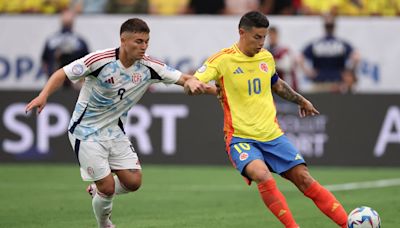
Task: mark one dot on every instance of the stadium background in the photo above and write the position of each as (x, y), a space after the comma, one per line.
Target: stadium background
(353, 133)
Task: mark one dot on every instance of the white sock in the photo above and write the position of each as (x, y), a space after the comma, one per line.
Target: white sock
(119, 187)
(102, 207)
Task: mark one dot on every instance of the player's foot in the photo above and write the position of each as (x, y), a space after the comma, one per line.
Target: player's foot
(91, 189)
(108, 224)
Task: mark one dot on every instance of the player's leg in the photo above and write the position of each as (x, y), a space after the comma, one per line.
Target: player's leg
(124, 162)
(102, 201)
(322, 197)
(128, 180)
(249, 161)
(92, 158)
(269, 192)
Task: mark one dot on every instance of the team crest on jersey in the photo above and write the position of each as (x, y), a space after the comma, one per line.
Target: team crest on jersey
(202, 69)
(136, 78)
(77, 69)
(264, 66)
(243, 156)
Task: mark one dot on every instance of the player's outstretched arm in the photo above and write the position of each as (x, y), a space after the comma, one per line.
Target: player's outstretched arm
(55, 81)
(306, 108)
(193, 86)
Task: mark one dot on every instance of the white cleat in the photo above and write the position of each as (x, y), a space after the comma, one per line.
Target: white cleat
(110, 225)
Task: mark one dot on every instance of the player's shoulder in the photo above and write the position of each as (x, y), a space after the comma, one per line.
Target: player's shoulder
(222, 55)
(151, 61)
(265, 53)
(101, 57)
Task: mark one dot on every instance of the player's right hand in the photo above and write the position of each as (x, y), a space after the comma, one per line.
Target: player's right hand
(195, 87)
(39, 102)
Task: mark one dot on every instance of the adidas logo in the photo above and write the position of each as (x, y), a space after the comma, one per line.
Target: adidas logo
(238, 71)
(334, 206)
(110, 80)
(298, 157)
(281, 212)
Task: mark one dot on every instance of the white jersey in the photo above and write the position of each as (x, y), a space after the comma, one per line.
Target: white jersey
(110, 90)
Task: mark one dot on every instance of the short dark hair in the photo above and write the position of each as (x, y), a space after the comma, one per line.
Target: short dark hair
(253, 19)
(134, 25)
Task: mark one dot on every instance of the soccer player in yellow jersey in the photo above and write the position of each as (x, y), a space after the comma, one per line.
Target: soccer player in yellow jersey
(255, 143)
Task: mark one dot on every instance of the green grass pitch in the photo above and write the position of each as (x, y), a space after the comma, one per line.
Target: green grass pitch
(180, 197)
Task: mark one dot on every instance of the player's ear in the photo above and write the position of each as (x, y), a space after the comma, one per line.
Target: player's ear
(241, 31)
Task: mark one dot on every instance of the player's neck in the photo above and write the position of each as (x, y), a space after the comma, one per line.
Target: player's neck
(125, 61)
(243, 49)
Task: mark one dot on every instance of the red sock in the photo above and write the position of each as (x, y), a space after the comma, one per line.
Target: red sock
(276, 202)
(327, 203)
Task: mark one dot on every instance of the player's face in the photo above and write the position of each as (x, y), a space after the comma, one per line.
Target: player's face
(253, 40)
(135, 45)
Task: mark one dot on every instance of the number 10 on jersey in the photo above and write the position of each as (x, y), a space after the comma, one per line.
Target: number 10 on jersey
(254, 86)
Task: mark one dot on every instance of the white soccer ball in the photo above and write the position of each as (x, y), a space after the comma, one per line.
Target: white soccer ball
(364, 217)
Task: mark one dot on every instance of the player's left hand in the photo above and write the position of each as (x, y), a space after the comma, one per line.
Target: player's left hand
(306, 108)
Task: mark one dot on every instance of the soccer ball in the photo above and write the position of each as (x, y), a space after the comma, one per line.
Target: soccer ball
(363, 217)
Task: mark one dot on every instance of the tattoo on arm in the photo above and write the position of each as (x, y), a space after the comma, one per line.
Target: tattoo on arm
(286, 92)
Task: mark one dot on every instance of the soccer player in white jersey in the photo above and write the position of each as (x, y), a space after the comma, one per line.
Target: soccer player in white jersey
(114, 80)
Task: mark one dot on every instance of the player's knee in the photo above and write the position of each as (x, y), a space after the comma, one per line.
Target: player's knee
(134, 185)
(107, 190)
(304, 180)
(261, 175)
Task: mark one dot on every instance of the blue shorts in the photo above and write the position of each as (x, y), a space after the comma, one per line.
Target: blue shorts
(279, 154)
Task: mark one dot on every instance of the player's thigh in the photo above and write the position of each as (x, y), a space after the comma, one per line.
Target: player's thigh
(92, 158)
(300, 176)
(258, 171)
(248, 160)
(123, 155)
(281, 155)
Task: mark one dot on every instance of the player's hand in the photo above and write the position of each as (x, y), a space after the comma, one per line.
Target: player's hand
(306, 108)
(195, 87)
(39, 102)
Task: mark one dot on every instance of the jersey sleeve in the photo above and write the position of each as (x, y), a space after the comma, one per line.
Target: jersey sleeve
(208, 72)
(84, 66)
(161, 71)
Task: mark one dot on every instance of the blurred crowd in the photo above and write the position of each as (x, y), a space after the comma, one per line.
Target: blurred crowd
(229, 7)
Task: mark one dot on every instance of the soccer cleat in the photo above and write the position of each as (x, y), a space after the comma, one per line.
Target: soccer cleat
(91, 189)
(109, 224)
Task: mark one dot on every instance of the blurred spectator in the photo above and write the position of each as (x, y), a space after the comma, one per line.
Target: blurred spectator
(206, 7)
(33, 6)
(241, 6)
(382, 7)
(127, 6)
(284, 60)
(331, 59)
(320, 7)
(63, 47)
(170, 7)
(352, 8)
(279, 7)
(89, 6)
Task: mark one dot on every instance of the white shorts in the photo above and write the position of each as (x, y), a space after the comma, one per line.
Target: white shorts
(97, 158)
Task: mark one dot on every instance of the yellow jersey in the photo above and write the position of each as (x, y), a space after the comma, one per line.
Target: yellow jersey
(246, 96)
